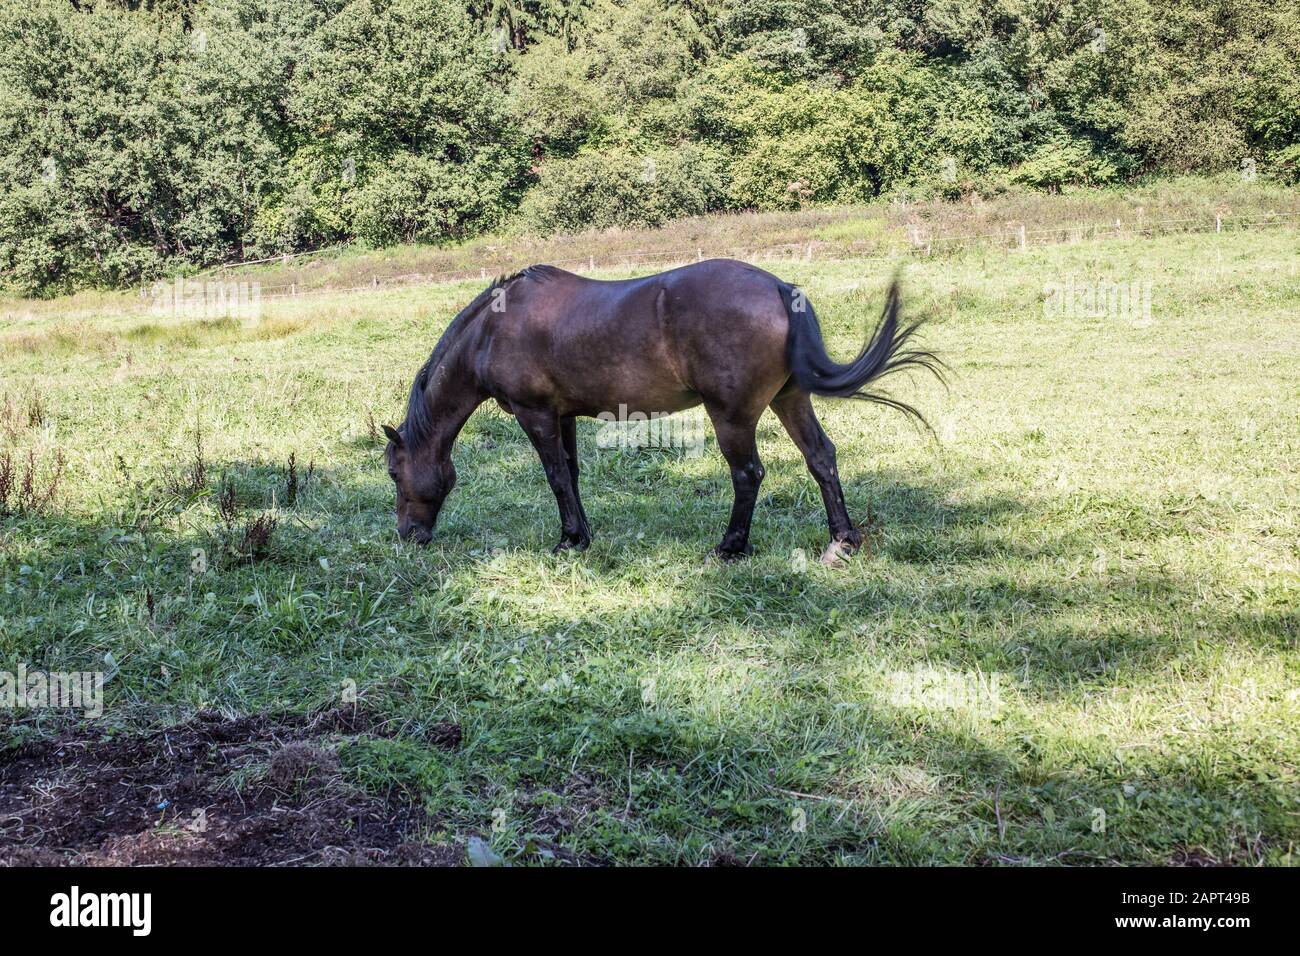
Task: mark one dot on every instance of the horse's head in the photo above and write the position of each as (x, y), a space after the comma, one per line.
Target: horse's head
(422, 486)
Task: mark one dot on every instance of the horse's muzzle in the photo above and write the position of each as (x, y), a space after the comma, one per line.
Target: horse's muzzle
(416, 534)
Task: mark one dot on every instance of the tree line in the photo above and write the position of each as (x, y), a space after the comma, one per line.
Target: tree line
(145, 136)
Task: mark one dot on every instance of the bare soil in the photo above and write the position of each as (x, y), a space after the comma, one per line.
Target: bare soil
(252, 791)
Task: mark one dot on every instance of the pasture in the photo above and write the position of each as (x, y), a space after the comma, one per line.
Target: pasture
(1072, 640)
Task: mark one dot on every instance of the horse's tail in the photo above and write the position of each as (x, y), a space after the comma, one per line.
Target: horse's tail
(816, 372)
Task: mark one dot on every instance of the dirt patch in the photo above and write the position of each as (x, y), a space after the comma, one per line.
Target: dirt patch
(252, 791)
(1194, 857)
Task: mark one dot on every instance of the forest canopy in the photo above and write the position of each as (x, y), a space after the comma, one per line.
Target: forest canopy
(145, 136)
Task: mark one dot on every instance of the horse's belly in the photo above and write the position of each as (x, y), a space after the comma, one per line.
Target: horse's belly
(639, 375)
(639, 391)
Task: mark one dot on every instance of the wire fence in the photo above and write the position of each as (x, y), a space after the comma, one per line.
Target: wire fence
(919, 241)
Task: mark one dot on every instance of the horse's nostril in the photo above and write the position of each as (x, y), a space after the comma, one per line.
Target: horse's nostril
(413, 532)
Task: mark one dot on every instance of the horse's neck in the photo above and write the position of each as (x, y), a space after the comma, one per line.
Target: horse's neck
(452, 395)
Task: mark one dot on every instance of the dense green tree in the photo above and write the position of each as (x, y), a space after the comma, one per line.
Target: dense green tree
(142, 140)
(144, 136)
(617, 187)
(1220, 87)
(804, 39)
(130, 143)
(399, 98)
(521, 23)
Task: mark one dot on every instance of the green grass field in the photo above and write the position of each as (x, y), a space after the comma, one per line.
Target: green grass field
(1074, 640)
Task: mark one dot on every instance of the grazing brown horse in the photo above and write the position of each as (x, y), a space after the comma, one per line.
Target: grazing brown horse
(549, 345)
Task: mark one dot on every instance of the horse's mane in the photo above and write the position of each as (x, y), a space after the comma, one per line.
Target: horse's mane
(419, 419)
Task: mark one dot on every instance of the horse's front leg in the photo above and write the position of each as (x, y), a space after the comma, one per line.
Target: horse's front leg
(569, 435)
(544, 429)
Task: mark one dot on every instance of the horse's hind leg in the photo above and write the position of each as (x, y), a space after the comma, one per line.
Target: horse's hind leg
(735, 431)
(795, 410)
(545, 430)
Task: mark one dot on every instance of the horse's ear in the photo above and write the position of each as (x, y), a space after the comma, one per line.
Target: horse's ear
(394, 436)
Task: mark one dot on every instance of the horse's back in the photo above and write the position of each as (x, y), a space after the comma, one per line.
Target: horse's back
(658, 342)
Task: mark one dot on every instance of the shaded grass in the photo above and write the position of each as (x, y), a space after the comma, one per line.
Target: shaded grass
(1107, 525)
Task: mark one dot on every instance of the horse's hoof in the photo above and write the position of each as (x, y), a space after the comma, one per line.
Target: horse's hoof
(571, 544)
(731, 557)
(841, 548)
(837, 552)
